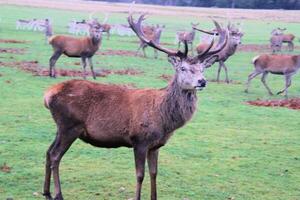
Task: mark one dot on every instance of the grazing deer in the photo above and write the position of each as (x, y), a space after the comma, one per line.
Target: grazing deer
(235, 35)
(152, 33)
(286, 65)
(84, 48)
(112, 116)
(189, 37)
(278, 36)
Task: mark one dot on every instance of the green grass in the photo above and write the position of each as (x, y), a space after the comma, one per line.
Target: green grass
(228, 150)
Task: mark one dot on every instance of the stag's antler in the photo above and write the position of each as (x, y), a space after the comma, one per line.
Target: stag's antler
(137, 28)
(205, 31)
(224, 34)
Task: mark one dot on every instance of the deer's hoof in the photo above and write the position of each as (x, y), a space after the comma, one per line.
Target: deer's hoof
(59, 197)
(48, 196)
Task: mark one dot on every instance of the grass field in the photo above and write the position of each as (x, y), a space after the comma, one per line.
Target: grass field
(230, 150)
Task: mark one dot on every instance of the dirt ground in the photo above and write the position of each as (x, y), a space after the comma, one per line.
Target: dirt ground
(261, 48)
(12, 41)
(111, 52)
(288, 103)
(221, 13)
(13, 50)
(34, 68)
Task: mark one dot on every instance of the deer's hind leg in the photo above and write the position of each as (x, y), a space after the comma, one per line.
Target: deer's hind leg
(52, 62)
(288, 82)
(47, 182)
(65, 138)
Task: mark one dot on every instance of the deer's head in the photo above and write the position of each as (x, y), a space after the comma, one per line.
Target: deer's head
(235, 35)
(188, 70)
(95, 31)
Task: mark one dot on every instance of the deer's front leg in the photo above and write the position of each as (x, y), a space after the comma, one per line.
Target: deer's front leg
(152, 158)
(140, 153)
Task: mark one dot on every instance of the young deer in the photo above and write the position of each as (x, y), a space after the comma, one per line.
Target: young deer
(84, 48)
(286, 65)
(182, 36)
(235, 36)
(152, 33)
(112, 116)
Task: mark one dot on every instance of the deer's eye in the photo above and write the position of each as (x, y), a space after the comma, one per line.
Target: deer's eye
(182, 69)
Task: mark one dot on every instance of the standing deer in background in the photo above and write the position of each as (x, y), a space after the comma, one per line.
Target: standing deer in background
(189, 37)
(84, 48)
(286, 65)
(235, 35)
(112, 116)
(152, 33)
(48, 30)
(278, 37)
(106, 29)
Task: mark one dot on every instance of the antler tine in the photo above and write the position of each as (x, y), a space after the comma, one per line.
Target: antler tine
(204, 31)
(136, 27)
(222, 42)
(186, 49)
(207, 49)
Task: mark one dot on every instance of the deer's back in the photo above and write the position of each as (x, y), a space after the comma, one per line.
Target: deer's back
(287, 37)
(111, 115)
(72, 46)
(277, 64)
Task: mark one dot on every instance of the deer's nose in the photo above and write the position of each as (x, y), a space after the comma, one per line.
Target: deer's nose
(202, 82)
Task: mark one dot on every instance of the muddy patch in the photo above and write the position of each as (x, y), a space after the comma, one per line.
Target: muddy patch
(224, 82)
(261, 48)
(128, 71)
(137, 42)
(111, 52)
(13, 41)
(13, 50)
(293, 103)
(34, 68)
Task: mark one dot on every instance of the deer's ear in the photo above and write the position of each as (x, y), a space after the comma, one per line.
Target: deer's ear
(174, 60)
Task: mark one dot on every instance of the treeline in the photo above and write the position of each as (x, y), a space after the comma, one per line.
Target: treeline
(253, 4)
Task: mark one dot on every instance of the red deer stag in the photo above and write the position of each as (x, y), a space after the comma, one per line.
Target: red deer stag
(189, 37)
(152, 33)
(235, 36)
(112, 116)
(278, 37)
(286, 65)
(84, 48)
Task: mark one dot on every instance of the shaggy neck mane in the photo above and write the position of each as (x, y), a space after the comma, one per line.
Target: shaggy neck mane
(95, 41)
(177, 106)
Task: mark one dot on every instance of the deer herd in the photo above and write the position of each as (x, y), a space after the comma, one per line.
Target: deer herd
(112, 116)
